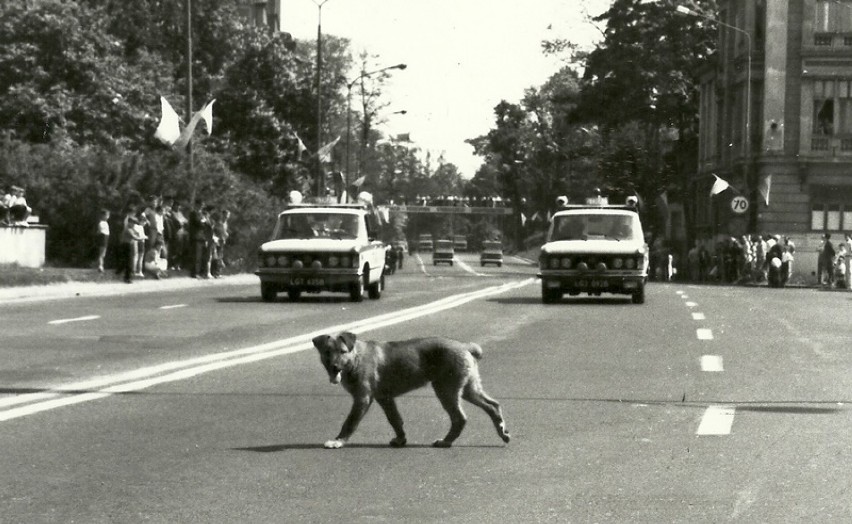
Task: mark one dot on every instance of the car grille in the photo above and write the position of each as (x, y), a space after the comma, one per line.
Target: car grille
(307, 260)
(573, 262)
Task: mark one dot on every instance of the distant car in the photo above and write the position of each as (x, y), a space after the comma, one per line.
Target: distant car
(424, 243)
(460, 242)
(594, 249)
(323, 248)
(492, 253)
(443, 253)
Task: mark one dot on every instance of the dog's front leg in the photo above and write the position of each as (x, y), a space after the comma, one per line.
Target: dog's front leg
(360, 405)
(390, 409)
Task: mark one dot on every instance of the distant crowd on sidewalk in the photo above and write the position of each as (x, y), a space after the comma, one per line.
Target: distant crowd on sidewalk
(748, 260)
(160, 235)
(14, 210)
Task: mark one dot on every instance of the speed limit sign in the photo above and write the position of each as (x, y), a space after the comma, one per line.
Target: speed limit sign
(739, 204)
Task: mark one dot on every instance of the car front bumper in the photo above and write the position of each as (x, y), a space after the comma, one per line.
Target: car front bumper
(623, 282)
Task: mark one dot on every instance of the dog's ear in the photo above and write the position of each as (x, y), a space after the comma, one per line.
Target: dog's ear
(348, 339)
(321, 341)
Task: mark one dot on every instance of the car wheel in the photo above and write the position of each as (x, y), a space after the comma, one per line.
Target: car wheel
(294, 294)
(550, 296)
(356, 290)
(268, 292)
(638, 296)
(375, 290)
(499, 264)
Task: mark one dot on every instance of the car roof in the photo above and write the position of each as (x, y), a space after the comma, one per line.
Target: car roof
(323, 210)
(595, 211)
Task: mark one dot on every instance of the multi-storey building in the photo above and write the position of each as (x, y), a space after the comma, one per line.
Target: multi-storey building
(263, 13)
(776, 124)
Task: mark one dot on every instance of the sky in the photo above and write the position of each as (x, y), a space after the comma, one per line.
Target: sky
(463, 58)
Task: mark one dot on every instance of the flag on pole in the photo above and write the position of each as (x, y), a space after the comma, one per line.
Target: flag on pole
(301, 145)
(188, 131)
(718, 186)
(325, 151)
(763, 187)
(169, 129)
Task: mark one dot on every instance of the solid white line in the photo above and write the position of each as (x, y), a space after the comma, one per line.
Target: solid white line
(173, 306)
(180, 370)
(711, 363)
(78, 319)
(691, 304)
(698, 316)
(717, 420)
(704, 334)
(468, 268)
(679, 292)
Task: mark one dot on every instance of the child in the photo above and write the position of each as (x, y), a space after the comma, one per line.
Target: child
(102, 238)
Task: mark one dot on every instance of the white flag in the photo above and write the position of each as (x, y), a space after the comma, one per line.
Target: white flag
(169, 129)
(325, 151)
(301, 145)
(188, 131)
(718, 186)
(764, 186)
(207, 115)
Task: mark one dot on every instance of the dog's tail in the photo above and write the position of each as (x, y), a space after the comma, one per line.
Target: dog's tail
(475, 350)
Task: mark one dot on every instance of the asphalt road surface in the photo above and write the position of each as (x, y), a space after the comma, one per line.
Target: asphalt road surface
(205, 404)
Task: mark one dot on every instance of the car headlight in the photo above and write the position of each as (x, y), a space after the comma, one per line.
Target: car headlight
(283, 261)
(333, 261)
(344, 261)
(601, 266)
(630, 263)
(298, 264)
(582, 266)
(270, 261)
(617, 263)
(316, 264)
(554, 263)
(566, 263)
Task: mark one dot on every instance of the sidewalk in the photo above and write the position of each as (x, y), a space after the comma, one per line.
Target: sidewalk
(20, 294)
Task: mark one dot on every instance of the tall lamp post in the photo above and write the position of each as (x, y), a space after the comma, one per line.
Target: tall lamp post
(320, 174)
(747, 142)
(349, 85)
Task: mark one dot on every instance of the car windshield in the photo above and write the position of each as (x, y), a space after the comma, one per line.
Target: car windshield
(316, 225)
(596, 226)
(445, 244)
(492, 245)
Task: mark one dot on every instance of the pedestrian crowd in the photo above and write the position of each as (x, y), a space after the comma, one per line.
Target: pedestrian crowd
(161, 236)
(14, 210)
(751, 259)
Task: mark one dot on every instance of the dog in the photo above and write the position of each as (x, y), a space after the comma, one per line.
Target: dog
(371, 370)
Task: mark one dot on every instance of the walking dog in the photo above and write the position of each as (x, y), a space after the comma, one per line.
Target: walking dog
(381, 371)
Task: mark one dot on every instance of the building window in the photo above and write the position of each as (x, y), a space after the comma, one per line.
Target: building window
(832, 113)
(822, 40)
(832, 16)
(847, 41)
(831, 217)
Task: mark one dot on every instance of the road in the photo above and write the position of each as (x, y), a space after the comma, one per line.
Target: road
(205, 404)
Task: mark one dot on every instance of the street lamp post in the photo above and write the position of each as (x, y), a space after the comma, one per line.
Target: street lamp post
(747, 141)
(320, 174)
(349, 85)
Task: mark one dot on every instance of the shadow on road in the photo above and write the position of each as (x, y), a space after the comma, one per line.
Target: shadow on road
(288, 447)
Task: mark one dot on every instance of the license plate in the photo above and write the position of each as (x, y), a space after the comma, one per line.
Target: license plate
(592, 284)
(300, 281)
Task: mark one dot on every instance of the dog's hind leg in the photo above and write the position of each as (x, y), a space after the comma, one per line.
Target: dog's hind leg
(474, 394)
(390, 409)
(448, 395)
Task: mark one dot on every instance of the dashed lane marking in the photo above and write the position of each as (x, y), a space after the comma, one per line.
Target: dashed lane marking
(698, 316)
(173, 306)
(717, 420)
(691, 304)
(704, 334)
(712, 363)
(78, 319)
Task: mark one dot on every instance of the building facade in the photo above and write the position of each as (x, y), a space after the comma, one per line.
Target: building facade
(263, 13)
(776, 125)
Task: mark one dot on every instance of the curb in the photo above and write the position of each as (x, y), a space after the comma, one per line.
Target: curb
(16, 295)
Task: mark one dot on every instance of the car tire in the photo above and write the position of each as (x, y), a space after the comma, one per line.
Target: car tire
(268, 292)
(550, 296)
(294, 294)
(638, 296)
(375, 290)
(499, 264)
(356, 290)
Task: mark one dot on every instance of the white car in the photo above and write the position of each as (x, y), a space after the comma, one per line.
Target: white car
(594, 249)
(323, 248)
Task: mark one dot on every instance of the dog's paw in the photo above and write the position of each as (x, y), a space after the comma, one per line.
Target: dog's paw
(398, 442)
(440, 443)
(333, 444)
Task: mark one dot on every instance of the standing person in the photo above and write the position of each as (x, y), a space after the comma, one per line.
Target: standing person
(848, 260)
(828, 255)
(178, 236)
(141, 226)
(692, 262)
(759, 258)
(787, 263)
(102, 238)
(195, 237)
(130, 238)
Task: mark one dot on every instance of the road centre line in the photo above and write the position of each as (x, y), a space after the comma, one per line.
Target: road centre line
(174, 306)
(698, 316)
(704, 334)
(717, 420)
(78, 319)
(181, 370)
(712, 363)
